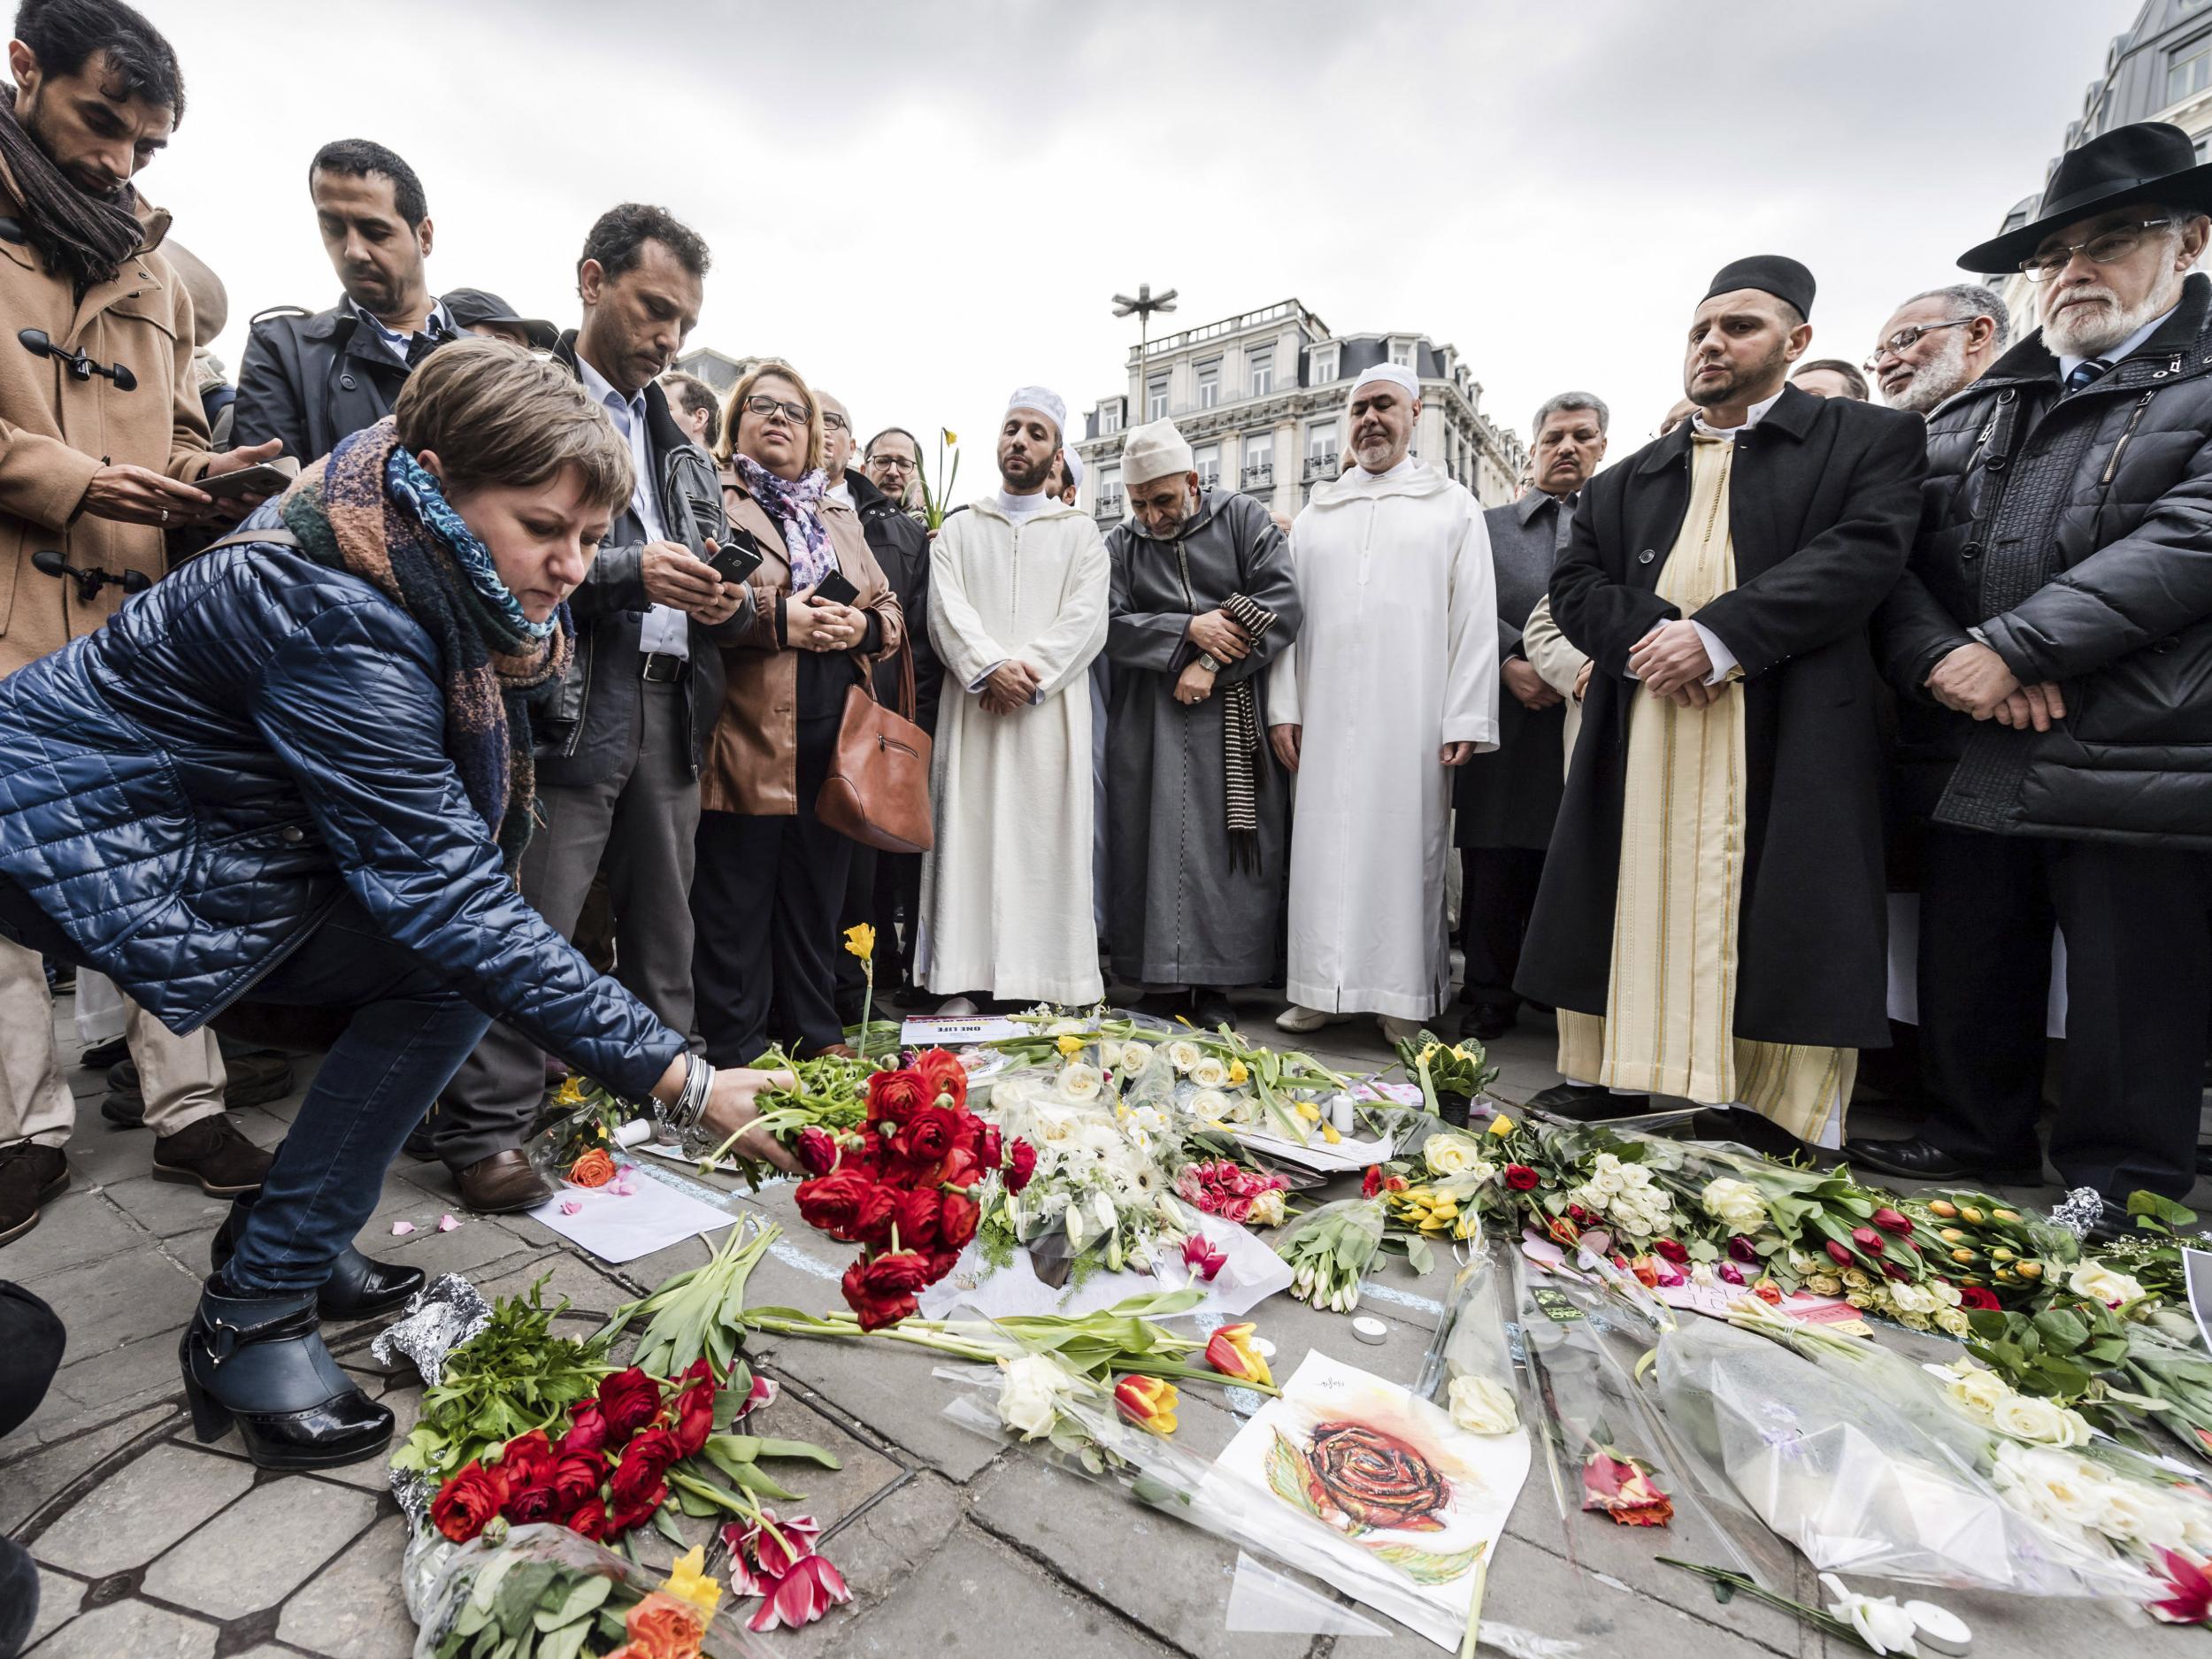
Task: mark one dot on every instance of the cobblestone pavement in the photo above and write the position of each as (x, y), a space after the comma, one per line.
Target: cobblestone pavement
(151, 1546)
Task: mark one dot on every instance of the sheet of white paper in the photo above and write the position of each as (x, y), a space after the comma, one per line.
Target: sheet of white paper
(1252, 1273)
(1319, 1156)
(929, 1031)
(622, 1226)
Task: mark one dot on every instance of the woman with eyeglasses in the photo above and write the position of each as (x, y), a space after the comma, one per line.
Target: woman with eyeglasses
(771, 876)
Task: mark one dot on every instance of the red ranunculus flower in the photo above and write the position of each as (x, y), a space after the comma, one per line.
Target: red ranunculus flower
(645, 1461)
(895, 1272)
(928, 1136)
(1021, 1164)
(587, 1431)
(817, 1150)
(875, 1311)
(1520, 1177)
(1370, 1183)
(525, 1504)
(956, 1221)
(988, 1148)
(589, 1520)
(630, 1400)
(576, 1481)
(1978, 1296)
(878, 1208)
(695, 1408)
(916, 1213)
(1841, 1254)
(1672, 1250)
(527, 1460)
(467, 1502)
(941, 1262)
(1891, 1221)
(622, 1517)
(830, 1203)
(896, 1095)
(942, 1074)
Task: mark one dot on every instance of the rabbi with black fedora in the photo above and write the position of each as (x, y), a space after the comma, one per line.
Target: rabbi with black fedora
(1711, 921)
(2051, 645)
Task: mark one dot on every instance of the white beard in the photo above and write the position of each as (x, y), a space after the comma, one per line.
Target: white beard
(1937, 379)
(2091, 331)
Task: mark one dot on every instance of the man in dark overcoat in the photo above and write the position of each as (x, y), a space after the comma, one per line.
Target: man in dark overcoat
(2050, 647)
(1729, 948)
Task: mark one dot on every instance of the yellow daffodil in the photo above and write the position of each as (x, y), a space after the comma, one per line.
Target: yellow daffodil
(1329, 1134)
(1308, 1110)
(570, 1092)
(689, 1581)
(1239, 1072)
(861, 941)
(1071, 1045)
(950, 436)
(1502, 1124)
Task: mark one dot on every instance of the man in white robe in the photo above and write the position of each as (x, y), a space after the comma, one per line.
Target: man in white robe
(1392, 681)
(1018, 607)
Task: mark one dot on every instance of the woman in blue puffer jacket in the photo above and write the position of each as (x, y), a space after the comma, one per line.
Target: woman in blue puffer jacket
(298, 771)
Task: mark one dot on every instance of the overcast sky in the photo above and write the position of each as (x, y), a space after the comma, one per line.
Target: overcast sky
(924, 204)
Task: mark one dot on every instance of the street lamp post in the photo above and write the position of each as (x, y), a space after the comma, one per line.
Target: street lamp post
(1141, 308)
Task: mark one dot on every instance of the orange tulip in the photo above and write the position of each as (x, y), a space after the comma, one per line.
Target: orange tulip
(1229, 1350)
(1147, 1401)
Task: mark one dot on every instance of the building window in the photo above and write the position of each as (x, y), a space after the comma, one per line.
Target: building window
(1209, 383)
(1261, 364)
(1110, 418)
(1156, 398)
(1321, 450)
(2188, 69)
(1259, 460)
(1207, 462)
(1323, 364)
(1110, 492)
(1401, 353)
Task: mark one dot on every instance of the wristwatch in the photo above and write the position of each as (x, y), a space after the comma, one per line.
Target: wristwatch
(1208, 662)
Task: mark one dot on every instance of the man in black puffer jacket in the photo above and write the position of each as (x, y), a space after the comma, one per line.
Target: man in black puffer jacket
(2051, 645)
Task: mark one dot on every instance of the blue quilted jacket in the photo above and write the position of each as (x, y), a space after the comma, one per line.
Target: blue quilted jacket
(188, 791)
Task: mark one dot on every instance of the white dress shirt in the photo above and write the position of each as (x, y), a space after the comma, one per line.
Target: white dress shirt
(440, 320)
(664, 630)
(1721, 658)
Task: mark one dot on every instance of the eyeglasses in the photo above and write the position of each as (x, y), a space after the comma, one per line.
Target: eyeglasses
(2103, 249)
(1905, 339)
(832, 420)
(898, 461)
(767, 408)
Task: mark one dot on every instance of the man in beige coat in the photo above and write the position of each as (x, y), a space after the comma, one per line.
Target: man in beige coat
(101, 440)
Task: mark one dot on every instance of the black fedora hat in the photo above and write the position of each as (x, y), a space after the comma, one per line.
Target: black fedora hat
(481, 305)
(2145, 161)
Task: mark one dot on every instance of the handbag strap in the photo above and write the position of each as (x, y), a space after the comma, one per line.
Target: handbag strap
(907, 696)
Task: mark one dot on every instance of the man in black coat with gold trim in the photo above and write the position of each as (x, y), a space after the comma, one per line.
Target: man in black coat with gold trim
(1710, 923)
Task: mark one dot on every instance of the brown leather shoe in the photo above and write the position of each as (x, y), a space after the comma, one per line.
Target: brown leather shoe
(30, 1175)
(213, 1154)
(501, 1182)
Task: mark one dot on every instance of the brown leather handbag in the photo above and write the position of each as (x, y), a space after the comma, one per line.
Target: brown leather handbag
(877, 788)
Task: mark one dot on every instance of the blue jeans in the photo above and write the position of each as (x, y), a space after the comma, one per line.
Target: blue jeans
(409, 1033)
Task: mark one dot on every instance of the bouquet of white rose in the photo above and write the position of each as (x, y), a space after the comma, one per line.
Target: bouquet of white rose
(1101, 1195)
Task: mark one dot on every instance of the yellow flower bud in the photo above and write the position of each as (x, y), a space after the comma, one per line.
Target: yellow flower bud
(1501, 1125)
(2030, 1270)
(2006, 1214)
(1970, 1214)
(2000, 1255)
(1962, 1256)
(1943, 1207)
(1329, 1134)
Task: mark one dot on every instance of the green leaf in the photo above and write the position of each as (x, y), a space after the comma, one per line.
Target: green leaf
(1428, 1566)
(566, 1641)
(664, 1524)
(2062, 1330)
(1287, 1474)
(521, 1594)
(584, 1596)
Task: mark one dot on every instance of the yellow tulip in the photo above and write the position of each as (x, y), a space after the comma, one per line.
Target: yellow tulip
(861, 941)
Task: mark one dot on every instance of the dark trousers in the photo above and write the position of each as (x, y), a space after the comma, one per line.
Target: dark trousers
(2137, 922)
(1497, 895)
(764, 904)
(880, 888)
(639, 824)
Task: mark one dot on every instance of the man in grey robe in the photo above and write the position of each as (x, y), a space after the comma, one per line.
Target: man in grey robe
(1505, 801)
(1203, 599)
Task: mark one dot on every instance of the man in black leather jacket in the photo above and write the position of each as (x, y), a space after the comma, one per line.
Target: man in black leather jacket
(312, 379)
(2049, 645)
(621, 735)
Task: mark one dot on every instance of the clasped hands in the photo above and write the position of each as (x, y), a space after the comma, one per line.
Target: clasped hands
(1672, 663)
(1974, 680)
(1010, 687)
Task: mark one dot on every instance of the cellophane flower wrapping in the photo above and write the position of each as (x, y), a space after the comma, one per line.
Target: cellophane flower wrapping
(457, 1571)
(1859, 1462)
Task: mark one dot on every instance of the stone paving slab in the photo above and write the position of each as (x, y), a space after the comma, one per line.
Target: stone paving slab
(354, 1608)
(129, 1520)
(261, 1549)
(137, 1630)
(32, 1476)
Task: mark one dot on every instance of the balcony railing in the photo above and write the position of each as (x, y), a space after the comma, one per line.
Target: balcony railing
(1108, 504)
(1321, 464)
(1263, 473)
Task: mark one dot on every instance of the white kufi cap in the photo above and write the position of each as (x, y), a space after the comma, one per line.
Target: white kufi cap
(1045, 401)
(1074, 464)
(1155, 450)
(1404, 379)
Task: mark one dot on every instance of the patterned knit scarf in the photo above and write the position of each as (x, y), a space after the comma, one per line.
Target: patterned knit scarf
(83, 237)
(369, 509)
(795, 504)
(1241, 741)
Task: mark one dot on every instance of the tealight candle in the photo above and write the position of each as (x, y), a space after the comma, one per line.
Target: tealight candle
(1939, 1628)
(1369, 1330)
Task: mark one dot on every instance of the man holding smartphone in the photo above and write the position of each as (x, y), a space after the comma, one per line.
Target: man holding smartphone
(622, 734)
(103, 449)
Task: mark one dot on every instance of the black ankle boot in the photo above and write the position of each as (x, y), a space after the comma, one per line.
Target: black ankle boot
(357, 1287)
(258, 1362)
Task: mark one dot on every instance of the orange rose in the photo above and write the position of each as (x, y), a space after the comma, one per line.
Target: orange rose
(594, 1169)
(662, 1627)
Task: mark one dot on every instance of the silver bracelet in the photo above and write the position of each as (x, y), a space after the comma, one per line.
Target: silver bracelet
(683, 1116)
